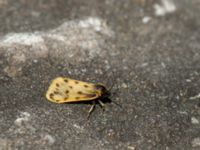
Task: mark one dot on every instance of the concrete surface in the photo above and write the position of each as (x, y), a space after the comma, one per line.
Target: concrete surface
(149, 51)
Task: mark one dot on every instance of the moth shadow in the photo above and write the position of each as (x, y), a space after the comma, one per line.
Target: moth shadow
(105, 100)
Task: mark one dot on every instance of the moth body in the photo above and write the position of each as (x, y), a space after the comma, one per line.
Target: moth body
(64, 90)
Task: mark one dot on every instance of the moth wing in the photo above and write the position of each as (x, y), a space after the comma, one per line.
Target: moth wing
(64, 90)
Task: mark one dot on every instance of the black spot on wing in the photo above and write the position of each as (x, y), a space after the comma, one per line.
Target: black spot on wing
(56, 92)
(66, 91)
(65, 80)
(79, 92)
(85, 85)
(51, 95)
(77, 98)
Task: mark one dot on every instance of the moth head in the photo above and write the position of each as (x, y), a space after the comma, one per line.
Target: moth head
(103, 91)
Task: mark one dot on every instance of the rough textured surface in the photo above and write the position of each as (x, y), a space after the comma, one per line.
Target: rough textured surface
(149, 50)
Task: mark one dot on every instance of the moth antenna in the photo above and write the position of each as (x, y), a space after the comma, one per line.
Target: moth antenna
(111, 87)
(113, 83)
(114, 93)
(117, 104)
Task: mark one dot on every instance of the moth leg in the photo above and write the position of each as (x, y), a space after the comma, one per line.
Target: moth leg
(91, 109)
(102, 104)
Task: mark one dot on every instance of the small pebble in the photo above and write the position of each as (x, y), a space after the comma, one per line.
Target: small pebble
(124, 85)
(194, 120)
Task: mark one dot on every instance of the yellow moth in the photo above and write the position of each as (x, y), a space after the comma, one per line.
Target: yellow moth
(64, 90)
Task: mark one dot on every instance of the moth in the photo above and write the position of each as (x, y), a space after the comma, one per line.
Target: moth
(66, 90)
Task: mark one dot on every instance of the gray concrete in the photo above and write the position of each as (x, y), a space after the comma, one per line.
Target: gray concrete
(149, 50)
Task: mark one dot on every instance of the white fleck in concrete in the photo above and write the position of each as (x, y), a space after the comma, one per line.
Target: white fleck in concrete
(196, 142)
(24, 117)
(166, 6)
(195, 97)
(194, 120)
(146, 19)
(22, 38)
